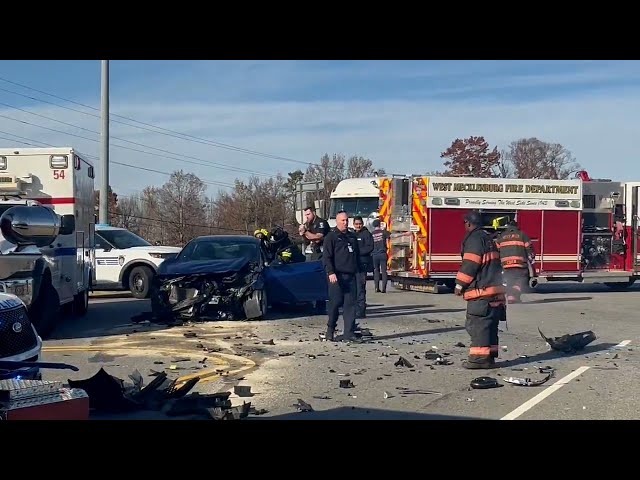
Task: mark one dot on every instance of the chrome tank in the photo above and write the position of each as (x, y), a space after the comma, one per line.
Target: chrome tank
(30, 225)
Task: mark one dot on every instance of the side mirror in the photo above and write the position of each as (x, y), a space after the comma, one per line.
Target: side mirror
(67, 224)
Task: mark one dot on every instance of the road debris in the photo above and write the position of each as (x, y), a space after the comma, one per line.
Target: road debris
(242, 390)
(322, 397)
(527, 382)
(482, 383)
(303, 406)
(403, 362)
(570, 343)
(408, 391)
(190, 334)
(347, 383)
(460, 344)
(387, 395)
(108, 393)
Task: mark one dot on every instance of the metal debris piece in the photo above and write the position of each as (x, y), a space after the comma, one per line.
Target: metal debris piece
(285, 354)
(347, 383)
(254, 411)
(433, 320)
(242, 390)
(408, 391)
(484, 383)
(322, 397)
(460, 344)
(303, 406)
(570, 343)
(312, 357)
(267, 342)
(432, 356)
(190, 334)
(387, 395)
(527, 382)
(403, 362)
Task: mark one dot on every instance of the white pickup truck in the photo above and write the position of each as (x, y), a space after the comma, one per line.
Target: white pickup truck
(124, 261)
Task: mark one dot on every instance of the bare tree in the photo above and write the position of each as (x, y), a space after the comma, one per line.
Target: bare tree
(533, 158)
(130, 213)
(183, 207)
(471, 157)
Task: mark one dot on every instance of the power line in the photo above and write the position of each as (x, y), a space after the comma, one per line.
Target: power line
(206, 164)
(160, 130)
(93, 157)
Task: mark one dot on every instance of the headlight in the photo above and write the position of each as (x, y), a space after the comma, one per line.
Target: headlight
(162, 255)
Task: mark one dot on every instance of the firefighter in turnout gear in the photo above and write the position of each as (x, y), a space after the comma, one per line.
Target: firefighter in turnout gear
(479, 281)
(283, 249)
(515, 254)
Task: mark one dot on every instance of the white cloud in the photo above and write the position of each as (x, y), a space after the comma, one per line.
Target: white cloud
(401, 136)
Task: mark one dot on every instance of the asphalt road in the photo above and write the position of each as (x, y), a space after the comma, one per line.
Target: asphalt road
(597, 383)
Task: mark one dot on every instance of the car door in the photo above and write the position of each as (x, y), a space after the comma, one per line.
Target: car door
(108, 263)
(296, 282)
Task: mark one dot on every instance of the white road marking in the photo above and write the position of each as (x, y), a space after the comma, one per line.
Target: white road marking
(623, 344)
(544, 394)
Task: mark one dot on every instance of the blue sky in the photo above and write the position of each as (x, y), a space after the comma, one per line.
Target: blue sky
(401, 114)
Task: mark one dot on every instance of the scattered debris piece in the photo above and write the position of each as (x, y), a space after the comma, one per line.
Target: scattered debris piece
(505, 348)
(254, 411)
(203, 360)
(235, 413)
(417, 357)
(403, 362)
(268, 342)
(242, 390)
(181, 359)
(351, 395)
(173, 367)
(570, 343)
(312, 357)
(199, 345)
(158, 362)
(408, 391)
(527, 382)
(443, 361)
(379, 378)
(460, 344)
(433, 320)
(347, 383)
(190, 334)
(432, 356)
(471, 400)
(481, 383)
(303, 406)
(322, 397)
(387, 395)
(285, 354)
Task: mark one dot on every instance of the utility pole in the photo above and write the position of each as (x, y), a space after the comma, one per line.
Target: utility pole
(104, 153)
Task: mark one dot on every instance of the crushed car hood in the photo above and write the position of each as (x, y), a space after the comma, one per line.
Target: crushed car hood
(197, 267)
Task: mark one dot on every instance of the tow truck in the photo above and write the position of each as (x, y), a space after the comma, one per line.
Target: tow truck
(47, 207)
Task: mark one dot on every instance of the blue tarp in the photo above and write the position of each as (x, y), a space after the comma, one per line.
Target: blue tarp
(296, 283)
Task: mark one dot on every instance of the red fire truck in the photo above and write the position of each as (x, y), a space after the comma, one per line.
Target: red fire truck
(582, 230)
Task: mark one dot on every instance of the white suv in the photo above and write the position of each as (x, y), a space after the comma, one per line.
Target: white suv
(124, 261)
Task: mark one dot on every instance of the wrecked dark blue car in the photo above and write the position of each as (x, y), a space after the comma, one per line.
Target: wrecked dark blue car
(227, 277)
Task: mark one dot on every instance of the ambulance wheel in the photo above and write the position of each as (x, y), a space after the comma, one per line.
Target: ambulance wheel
(81, 303)
(140, 281)
(45, 312)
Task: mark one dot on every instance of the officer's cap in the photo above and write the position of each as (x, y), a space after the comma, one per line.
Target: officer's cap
(473, 218)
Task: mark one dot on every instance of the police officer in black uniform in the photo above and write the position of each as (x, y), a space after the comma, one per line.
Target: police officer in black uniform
(313, 232)
(340, 259)
(365, 246)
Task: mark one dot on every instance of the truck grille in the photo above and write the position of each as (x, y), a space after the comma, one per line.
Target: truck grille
(12, 342)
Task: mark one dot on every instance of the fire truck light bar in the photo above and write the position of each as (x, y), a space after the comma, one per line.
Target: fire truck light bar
(59, 162)
(3, 163)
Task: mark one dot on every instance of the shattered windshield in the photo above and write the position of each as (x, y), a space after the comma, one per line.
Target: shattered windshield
(212, 249)
(122, 239)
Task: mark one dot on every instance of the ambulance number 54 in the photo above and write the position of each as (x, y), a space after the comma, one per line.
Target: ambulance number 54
(58, 174)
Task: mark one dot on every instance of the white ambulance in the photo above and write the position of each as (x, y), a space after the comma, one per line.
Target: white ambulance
(58, 270)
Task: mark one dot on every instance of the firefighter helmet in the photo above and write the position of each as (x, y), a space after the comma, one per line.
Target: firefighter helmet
(261, 232)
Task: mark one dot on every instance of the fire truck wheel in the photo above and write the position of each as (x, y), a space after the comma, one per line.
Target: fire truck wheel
(46, 310)
(140, 281)
(621, 285)
(81, 303)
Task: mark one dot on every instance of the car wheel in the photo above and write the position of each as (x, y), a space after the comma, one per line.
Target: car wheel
(140, 282)
(256, 305)
(81, 303)
(45, 312)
